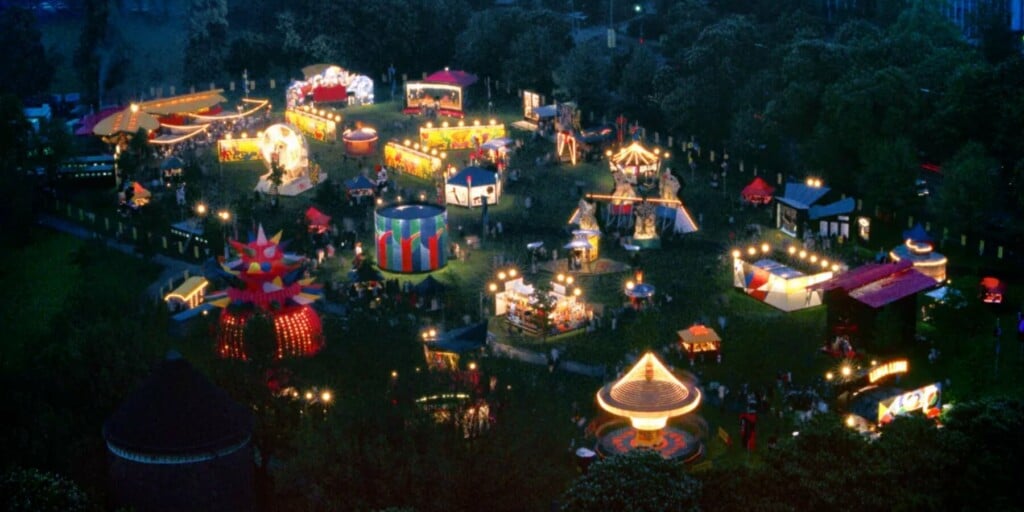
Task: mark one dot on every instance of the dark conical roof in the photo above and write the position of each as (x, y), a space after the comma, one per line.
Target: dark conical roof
(177, 410)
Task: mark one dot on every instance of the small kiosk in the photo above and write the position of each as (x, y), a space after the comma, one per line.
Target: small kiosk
(699, 339)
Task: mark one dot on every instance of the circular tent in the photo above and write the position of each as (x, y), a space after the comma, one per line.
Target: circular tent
(175, 426)
(758, 191)
(471, 185)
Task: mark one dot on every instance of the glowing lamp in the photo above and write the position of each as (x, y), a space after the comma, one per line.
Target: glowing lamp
(649, 423)
(629, 285)
(751, 251)
(493, 122)
(444, 124)
(245, 135)
(201, 209)
(134, 108)
(309, 395)
(791, 250)
(394, 374)
(850, 421)
(765, 247)
(829, 375)
(461, 123)
(502, 275)
(326, 396)
(846, 371)
(476, 122)
(433, 333)
(803, 254)
(814, 258)
(735, 253)
(493, 287)
(512, 272)
(835, 268)
(472, 366)
(824, 263)
(560, 277)
(577, 292)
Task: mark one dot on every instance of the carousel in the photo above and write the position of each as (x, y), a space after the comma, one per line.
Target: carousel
(918, 247)
(649, 395)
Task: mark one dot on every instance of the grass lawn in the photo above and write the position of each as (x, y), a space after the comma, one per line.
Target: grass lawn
(38, 278)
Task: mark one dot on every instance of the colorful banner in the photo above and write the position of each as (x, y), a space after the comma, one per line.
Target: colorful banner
(322, 127)
(238, 150)
(412, 161)
(926, 400)
(460, 136)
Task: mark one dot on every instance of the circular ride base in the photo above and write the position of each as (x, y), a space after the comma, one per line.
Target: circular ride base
(676, 444)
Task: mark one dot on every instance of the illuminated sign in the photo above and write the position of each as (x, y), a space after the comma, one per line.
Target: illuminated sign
(318, 124)
(460, 136)
(926, 400)
(413, 160)
(238, 150)
(887, 369)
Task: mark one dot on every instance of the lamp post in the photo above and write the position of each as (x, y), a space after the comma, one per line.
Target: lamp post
(225, 217)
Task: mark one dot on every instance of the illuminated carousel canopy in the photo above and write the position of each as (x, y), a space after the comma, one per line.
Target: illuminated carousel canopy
(127, 121)
(648, 395)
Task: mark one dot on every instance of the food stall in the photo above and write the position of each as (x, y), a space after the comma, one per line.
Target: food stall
(560, 312)
(699, 339)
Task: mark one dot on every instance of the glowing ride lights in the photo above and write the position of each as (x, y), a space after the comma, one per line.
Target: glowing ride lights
(264, 280)
(460, 136)
(649, 395)
(918, 247)
(320, 124)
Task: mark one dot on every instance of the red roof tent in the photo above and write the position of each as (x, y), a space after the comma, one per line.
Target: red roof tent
(878, 284)
(316, 217)
(448, 77)
(758, 191)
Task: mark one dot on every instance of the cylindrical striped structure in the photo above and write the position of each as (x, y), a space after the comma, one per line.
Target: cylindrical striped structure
(411, 237)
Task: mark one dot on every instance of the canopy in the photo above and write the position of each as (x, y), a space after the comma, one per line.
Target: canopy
(496, 144)
(429, 286)
(183, 104)
(640, 291)
(171, 163)
(477, 175)
(90, 121)
(316, 217)
(917, 234)
(758, 191)
(359, 183)
(578, 244)
(128, 120)
(449, 77)
(634, 154)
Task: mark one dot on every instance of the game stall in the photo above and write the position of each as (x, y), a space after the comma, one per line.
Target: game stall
(412, 159)
(328, 83)
(442, 93)
(460, 135)
(699, 339)
(782, 278)
(318, 123)
(472, 186)
(561, 311)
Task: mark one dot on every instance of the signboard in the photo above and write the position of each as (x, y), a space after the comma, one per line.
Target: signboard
(460, 136)
(318, 124)
(239, 150)
(926, 400)
(413, 159)
(887, 369)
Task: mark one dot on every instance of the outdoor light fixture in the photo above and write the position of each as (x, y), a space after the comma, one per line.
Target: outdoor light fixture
(765, 247)
(309, 395)
(814, 258)
(577, 292)
(502, 275)
(629, 285)
(803, 254)
(751, 251)
(325, 396)
(850, 421)
(735, 253)
(201, 209)
(829, 375)
(512, 272)
(394, 374)
(472, 366)
(570, 279)
(792, 250)
(493, 287)
(846, 371)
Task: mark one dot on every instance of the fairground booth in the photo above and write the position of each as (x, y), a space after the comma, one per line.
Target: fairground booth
(640, 295)
(330, 84)
(460, 134)
(801, 211)
(413, 159)
(317, 222)
(574, 143)
(456, 349)
(698, 340)
(189, 294)
(876, 400)
(442, 93)
(991, 290)
(918, 248)
(758, 192)
(319, 123)
(782, 277)
(857, 298)
(473, 186)
(359, 186)
(558, 311)
(412, 237)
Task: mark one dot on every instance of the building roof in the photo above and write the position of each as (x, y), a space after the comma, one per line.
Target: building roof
(840, 207)
(359, 182)
(634, 154)
(177, 411)
(878, 284)
(648, 390)
(698, 334)
(801, 196)
(478, 175)
(452, 77)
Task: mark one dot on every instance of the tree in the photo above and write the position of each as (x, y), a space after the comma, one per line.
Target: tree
(31, 490)
(637, 481)
(964, 200)
(585, 76)
(16, 210)
(207, 45)
(27, 69)
(887, 178)
(101, 55)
